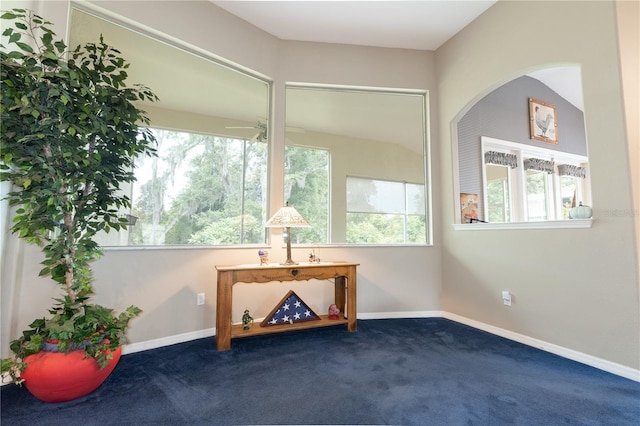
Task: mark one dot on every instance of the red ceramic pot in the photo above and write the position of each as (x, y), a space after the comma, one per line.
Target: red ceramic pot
(59, 377)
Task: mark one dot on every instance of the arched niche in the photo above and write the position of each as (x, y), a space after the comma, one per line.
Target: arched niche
(502, 121)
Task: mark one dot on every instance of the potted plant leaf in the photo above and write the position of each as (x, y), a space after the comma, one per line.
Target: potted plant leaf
(71, 130)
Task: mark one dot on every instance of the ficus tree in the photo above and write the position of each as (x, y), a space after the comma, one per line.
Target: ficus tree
(71, 130)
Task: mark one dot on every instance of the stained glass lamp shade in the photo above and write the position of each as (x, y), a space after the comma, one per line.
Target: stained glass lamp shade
(287, 217)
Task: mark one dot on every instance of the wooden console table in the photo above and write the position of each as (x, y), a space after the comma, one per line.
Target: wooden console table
(343, 274)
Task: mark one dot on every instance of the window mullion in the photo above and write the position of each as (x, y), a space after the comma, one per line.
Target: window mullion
(406, 213)
(554, 197)
(519, 196)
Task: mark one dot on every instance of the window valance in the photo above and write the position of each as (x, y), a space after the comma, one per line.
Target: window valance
(539, 164)
(501, 159)
(572, 170)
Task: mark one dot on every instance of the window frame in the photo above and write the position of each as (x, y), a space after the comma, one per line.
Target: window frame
(337, 231)
(191, 127)
(518, 176)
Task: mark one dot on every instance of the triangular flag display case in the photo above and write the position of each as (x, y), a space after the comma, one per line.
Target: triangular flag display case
(289, 310)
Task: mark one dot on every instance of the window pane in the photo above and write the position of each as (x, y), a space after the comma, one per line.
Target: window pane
(416, 229)
(307, 189)
(498, 193)
(415, 199)
(571, 194)
(200, 190)
(375, 196)
(536, 195)
(383, 212)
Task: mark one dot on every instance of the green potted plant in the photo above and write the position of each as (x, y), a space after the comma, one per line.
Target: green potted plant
(70, 133)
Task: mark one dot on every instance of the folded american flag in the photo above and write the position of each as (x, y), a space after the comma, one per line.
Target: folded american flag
(290, 309)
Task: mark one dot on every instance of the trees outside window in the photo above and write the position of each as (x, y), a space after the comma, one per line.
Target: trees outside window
(200, 190)
(209, 190)
(306, 181)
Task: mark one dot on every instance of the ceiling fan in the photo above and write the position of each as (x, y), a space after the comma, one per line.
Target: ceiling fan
(261, 127)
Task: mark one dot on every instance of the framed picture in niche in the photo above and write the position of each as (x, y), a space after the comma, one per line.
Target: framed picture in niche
(542, 121)
(468, 207)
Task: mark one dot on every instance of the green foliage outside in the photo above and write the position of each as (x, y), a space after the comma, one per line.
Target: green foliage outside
(367, 228)
(209, 190)
(307, 189)
(201, 190)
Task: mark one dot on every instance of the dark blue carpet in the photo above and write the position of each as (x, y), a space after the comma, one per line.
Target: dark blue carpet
(398, 371)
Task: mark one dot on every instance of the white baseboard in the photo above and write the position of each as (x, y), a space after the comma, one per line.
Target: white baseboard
(599, 363)
(186, 337)
(396, 315)
(167, 341)
(583, 358)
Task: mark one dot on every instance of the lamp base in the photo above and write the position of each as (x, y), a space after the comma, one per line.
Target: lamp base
(289, 261)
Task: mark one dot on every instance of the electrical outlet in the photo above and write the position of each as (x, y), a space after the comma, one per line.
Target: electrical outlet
(506, 298)
(200, 299)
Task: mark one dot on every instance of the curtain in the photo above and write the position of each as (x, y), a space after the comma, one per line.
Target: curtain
(539, 164)
(571, 170)
(501, 159)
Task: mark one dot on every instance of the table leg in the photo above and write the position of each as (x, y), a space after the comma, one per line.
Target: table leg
(352, 324)
(223, 312)
(340, 295)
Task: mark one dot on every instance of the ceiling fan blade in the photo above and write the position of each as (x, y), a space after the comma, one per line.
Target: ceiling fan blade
(259, 126)
(295, 129)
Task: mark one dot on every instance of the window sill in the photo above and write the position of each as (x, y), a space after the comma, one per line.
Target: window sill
(550, 224)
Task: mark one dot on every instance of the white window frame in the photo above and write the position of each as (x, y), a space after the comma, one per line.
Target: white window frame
(519, 183)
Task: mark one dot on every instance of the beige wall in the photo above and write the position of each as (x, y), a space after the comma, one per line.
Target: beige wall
(575, 288)
(392, 281)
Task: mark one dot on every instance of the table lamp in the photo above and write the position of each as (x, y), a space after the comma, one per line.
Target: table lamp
(287, 217)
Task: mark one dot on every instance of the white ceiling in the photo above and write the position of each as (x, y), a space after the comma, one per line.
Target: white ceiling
(418, 24)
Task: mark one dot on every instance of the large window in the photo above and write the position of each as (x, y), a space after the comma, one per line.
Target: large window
(380, 134)
(385, 212)
(207, 186)
(528, 184)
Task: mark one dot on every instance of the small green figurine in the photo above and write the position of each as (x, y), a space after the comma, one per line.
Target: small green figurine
(247, 321)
